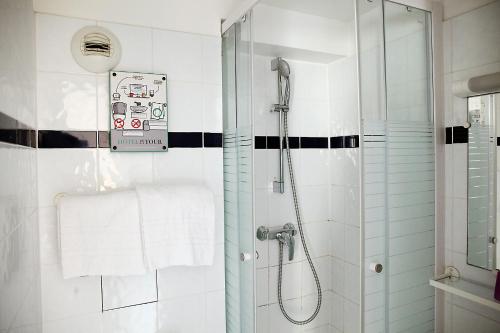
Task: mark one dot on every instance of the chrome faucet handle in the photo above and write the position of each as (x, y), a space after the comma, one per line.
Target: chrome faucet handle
(287, 239)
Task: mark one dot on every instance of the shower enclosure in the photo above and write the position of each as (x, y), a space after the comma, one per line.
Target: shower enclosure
(329, 167)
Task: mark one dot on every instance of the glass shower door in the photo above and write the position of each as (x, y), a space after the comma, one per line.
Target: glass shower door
(398, 167)
(238, 182)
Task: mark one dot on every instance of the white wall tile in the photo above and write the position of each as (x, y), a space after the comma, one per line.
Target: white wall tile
(134, 319)
(212, 60)
(178, 165)
(75, 171)
(122, 291)
(315, 203)
(120, 170)
(179, 55)
(322, 266)
(318, 238)
(185, 106)
(278, 323)
(78, 324)
(214, 275)
(262, 319)
(262, 286)
(66, 101)
(103, 110)
(352, 245)
(180, 281)
(313, 167)
(184, 314)
(212, 108)
(137, 47)
(49, 249)
(475, 37)
(338, 276)
(51, 33)
(351, 317)
(291, 282)
(215, 312)
(63, 298)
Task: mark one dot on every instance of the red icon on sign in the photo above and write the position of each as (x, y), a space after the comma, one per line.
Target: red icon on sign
(136, 123)
(119, 123)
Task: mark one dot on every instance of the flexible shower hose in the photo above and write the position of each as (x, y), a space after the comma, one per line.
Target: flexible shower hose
(302, 239)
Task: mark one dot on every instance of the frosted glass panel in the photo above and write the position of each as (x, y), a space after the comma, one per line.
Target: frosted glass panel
(407, 56)
(238, 182)
(481, 187)
(398, 167)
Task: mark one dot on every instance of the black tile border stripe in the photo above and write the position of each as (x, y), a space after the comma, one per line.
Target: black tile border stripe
(15, 132)
(449, 135)
(457, 134)
(100, 139)
(185, 139)
(272, 142)
(307, 142)
(460, 134)
(260, 142)
(349, 141)
(67, 139)
(212, 140)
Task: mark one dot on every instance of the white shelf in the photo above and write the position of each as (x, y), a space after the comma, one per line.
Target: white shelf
(471, 291)
(273, 50)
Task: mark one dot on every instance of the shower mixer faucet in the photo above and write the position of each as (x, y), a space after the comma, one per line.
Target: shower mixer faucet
(284, 235)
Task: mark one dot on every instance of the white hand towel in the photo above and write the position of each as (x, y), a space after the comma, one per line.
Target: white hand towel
(100, 234)
(177, 225)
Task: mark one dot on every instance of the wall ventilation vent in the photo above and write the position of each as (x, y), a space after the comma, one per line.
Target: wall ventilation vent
(96, 44)
(96, 49)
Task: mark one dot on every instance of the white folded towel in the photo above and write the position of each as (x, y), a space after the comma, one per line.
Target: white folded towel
(100, 234)
(177, 225)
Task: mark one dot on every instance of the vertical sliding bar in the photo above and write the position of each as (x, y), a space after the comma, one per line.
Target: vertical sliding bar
(279, 186)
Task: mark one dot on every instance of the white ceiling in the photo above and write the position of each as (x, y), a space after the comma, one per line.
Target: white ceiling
(342, 10)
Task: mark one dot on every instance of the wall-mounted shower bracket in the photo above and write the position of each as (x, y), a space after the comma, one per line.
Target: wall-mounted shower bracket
(280, 108)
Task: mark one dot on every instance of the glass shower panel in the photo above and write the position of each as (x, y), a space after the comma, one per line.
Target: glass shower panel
(410, 169)
(398, 167)
(481, 187)
(238, 182)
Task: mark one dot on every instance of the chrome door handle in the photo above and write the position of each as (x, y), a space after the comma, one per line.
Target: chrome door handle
(245, 256)
(376, 267)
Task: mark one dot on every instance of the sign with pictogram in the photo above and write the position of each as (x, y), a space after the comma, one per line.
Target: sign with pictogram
(119, 123)
(138, 111)
(136, 123)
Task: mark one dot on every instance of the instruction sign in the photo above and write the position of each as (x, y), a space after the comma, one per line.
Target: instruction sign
(138, 111)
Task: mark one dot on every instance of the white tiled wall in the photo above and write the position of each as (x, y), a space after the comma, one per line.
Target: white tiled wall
(190, 299)
(308, 117)
(345, 272)
(471, 48)
(20, 308)
(17, 69)
(322, 104)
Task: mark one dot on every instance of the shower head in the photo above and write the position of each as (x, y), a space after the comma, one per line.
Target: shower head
(281, 66)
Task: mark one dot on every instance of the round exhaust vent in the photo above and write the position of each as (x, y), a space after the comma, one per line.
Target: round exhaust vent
(96, 49)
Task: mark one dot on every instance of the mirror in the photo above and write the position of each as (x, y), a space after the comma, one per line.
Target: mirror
(482, 189)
